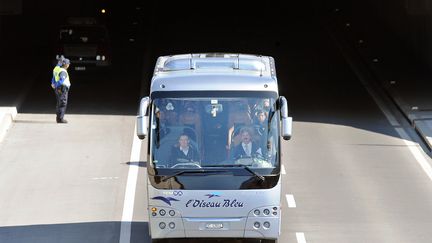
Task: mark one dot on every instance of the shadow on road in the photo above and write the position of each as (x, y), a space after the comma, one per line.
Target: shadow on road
(92, 232)
(140, 164)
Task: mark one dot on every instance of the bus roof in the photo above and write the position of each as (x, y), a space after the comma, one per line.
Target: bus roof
(214, 71)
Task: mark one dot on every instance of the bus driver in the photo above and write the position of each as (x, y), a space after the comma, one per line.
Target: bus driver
(183, 152)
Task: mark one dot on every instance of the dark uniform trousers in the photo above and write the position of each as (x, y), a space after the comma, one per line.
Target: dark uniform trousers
(62, 98)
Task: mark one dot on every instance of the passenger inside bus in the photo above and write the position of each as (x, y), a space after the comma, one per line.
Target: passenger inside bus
(170, 110)
(262, 105)
(215, 135)
(161, 123)
(239, 116)
(260, 121)
(189, 117)
(261, 127)
(247, 147)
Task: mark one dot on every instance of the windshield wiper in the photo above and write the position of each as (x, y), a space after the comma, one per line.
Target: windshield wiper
(165, 178)
(262, 178)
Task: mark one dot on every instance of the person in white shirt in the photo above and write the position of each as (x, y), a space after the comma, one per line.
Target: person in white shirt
(247, 148)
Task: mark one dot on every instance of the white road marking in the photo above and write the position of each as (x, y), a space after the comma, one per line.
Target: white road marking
(300, 237)
(283, 170)
(128, 206)
(290, 200)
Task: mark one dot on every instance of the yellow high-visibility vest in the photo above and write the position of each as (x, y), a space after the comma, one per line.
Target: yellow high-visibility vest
(56, 72)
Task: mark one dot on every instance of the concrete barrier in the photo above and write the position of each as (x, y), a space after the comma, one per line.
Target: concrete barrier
(7, 116)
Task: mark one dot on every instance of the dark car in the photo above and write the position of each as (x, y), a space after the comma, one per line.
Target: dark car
(86, 43)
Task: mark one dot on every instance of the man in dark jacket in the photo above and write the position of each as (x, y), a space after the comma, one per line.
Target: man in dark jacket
(183, 152)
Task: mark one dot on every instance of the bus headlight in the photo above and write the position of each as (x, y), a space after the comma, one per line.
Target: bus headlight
(171, 225)
(256, 212)
(266, 211)
(162, 225)
(275, 211)
(266, 224)
(171, 212)
(154, 210)
(257, 225)
(98, 58)
(162, 212)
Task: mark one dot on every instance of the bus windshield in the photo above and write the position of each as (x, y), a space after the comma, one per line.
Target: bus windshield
(196, 133)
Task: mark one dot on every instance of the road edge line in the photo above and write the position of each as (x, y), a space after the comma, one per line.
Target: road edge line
(129, 199)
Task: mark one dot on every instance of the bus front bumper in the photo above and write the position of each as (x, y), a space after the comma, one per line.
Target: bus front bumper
(250, 227)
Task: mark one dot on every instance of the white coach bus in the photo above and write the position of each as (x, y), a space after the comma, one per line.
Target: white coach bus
(214, 122)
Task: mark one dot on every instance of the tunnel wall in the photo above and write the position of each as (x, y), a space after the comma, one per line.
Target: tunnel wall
(398, 23)
(31, 34)
(410, 20)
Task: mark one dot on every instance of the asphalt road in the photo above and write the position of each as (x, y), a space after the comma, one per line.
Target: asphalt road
(352, 177)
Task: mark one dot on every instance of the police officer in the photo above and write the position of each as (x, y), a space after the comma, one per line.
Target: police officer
(61, 85)
(56, 70)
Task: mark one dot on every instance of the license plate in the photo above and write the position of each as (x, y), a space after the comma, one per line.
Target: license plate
(80, 68)
(214, 225)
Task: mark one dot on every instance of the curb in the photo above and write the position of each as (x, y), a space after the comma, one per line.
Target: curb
(423, 126)
(7, 116)
(420, 123)
(425, 130)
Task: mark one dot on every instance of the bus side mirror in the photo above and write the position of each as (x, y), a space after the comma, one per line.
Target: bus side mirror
(286, 120)
(142, 118)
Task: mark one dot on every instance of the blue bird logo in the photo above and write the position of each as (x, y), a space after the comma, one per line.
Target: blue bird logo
(167, 200)
(215, 194)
